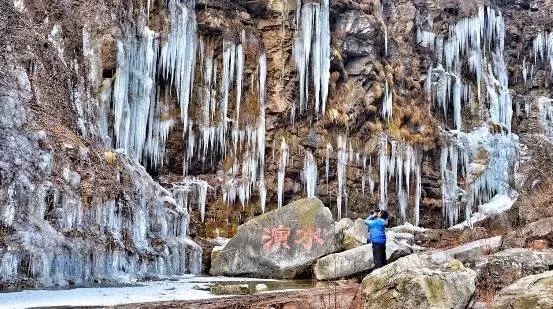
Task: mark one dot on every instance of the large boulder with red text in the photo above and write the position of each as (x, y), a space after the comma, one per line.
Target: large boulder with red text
(282, 243)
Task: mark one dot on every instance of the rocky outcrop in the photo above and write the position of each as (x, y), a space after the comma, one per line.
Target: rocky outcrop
(281, 243)
(534, 291)
(357, 260)
(415, 282)
(523, 237)
(505, 267)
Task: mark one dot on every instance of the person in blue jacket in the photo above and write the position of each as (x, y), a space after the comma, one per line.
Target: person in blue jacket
(377, 223)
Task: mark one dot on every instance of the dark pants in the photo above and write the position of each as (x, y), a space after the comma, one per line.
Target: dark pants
(379, 255)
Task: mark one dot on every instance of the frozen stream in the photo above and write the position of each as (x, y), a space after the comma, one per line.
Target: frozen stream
(143, 292)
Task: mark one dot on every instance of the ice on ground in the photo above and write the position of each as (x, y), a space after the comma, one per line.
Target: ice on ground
(498, 204)
(408, 228)
(156, 291)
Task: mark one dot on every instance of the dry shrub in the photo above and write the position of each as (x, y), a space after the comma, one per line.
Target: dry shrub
(538, 196)
(341, 102)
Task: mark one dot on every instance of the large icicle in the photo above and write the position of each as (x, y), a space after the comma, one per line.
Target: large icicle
(310, 174)
(281, 171)
(261, 127)
(383, 160)
(342, 158)
(313, 40)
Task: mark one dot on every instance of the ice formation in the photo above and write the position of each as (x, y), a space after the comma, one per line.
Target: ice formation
(399, 163)
(387, 103)
(312, 48)
(477, 41)
(281, 171)
(151, 71)
(342, 158)
(310, 174)
(484, 159)
(124, 233)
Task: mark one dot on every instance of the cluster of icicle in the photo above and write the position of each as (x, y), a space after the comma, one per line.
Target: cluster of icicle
(482, 181)
(545, 109)
(399, 163)
(542, 52)
(121, 243)
(542, 46)
(477, 43)
(140, 127)
(312, 48)
(345, 156)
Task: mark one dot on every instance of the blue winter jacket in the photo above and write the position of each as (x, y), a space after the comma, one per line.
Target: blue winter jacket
(377, 229)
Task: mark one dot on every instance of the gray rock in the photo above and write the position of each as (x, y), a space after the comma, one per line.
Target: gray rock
(355, 261)
(231, 289)
(359, 66)
(261, 287)
(356, 235)
(542, 229)
(362, 33)
(281, 243)
(529, 292)
(415, 282)
(505, 267)
(468, 252)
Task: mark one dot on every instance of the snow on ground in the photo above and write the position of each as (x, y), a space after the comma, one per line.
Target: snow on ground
(408, 228)
(144, 292)
(498, 204)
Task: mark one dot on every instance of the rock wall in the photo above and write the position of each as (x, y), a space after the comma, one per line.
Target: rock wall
(220, 104)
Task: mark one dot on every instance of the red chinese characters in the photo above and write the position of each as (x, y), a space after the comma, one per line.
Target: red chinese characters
(278, 237)
(307, 236)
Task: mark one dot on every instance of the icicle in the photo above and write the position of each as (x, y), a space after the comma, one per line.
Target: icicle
(524, 70)
(281, 171)
(342, 157)
(179, 53)
(327, 168)
(314, 17)
(261, 124)
(363, 175)
(239, 76)
(310, 174)
(383, 160)
(387, 103)
(418, 191)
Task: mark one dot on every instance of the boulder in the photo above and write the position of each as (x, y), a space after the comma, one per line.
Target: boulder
(415, 281)
(542, 229)
(356, 235)
(534, 291)
(281, 243)
(236, 289)
(505, 267)
(469, 252)
(356, 260)
(473, 234)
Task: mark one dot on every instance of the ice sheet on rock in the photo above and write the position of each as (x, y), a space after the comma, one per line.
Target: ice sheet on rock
(463, 155)
(498, 204)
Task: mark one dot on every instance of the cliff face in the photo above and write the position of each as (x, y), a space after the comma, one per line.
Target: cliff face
(121, 118)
